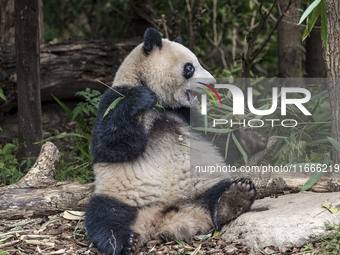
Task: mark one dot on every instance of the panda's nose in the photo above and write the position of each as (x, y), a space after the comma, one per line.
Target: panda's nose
(205, 77)
(210, 79)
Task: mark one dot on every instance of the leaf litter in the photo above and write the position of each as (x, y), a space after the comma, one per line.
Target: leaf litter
(64, 233)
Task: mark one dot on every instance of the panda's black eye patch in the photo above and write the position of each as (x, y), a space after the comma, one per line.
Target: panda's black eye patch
(188, 70)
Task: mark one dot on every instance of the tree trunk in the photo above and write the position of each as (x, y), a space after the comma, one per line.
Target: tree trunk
(315, 63)
(289, 41)
(41, 23)
(27, 48)
(332, 56)
(7, 22)
(7, 27)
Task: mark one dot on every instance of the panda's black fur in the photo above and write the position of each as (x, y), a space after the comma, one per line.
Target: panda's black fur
(143, 188)
(123, 140)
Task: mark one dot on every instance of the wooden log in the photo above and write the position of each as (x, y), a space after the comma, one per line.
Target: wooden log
(30, 202)
(66, 67)
(38, 194)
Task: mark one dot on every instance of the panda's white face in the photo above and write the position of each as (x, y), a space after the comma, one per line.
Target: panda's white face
(173, 73)
(168, 68)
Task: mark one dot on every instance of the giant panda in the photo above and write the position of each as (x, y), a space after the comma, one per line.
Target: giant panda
(144, 187)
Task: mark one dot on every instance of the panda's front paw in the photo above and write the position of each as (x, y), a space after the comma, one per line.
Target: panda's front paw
(142, 98)
(236, 200)
(131, 245)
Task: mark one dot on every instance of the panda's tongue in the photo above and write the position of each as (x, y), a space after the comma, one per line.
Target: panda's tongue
(190, 98)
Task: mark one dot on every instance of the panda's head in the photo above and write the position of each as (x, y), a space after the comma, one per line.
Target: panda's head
(168, 68)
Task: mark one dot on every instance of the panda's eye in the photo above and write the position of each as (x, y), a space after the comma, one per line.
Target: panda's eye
(188, 70)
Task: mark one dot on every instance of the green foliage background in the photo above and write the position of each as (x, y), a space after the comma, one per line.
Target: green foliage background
(208, 22)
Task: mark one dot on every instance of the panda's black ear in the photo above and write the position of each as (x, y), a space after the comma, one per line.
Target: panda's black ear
(179, 40)
(152, 38)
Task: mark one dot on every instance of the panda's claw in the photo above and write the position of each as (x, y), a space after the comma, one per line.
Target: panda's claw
(132, 244)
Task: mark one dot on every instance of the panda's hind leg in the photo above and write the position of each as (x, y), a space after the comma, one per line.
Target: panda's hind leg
(235, 200)
(107, 224)
(167, 222)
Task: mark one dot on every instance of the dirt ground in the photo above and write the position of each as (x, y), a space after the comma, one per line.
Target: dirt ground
(59, 235)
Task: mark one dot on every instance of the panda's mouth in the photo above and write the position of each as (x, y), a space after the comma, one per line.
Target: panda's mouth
(190, 97)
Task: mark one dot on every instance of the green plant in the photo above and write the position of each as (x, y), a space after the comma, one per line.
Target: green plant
(318, 175)
(2, 95)
(314, 10)
(330, 243)
(76, 164)
(89, 107)
(334, 142)
(10, 167)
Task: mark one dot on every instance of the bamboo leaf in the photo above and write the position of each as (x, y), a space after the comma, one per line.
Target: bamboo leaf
(216, 234)
(184, 145)
(227, 146)
(2, 95)
(66, 109)
(311, 181)
(310, 8)
(181, 242)
(160, 106)
(59, 136)
(334, 142)
(311, 22)
(204, 237)
(113, 105)
(214, 130)
(239, 146)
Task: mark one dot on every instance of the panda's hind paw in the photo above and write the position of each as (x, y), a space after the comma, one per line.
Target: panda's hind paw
(237, 199)
(244, 187)
(132, 244)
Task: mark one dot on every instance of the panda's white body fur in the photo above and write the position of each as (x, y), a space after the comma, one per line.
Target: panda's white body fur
(153, 194)
(168, 171)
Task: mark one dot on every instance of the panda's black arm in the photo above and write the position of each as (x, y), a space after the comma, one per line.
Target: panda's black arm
(118, 136)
